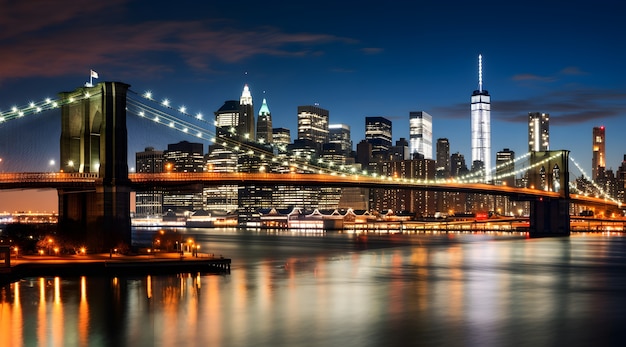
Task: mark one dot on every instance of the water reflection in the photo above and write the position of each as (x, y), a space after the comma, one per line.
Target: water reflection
(287, 289)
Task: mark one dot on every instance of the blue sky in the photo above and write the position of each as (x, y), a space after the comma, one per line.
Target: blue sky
(369, 58)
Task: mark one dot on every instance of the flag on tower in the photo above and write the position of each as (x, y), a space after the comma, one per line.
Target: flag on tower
(94, 74)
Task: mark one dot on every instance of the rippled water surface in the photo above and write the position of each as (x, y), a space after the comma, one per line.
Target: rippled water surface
(334, 289)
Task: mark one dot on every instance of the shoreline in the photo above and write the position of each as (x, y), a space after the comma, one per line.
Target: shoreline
(107, 265)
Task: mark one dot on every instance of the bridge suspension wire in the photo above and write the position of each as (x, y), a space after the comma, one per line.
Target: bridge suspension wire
(40, 106)
(140, 108)
(603, 193)
(31, 108)
(145, 106)
(479, 177)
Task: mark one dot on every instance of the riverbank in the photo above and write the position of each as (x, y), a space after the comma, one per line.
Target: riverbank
(111, 265)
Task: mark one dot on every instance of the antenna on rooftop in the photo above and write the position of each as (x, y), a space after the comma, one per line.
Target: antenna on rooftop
(480, 72)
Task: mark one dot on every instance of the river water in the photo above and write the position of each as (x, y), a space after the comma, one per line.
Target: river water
(334, 289)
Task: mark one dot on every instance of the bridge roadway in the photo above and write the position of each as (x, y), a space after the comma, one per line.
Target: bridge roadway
(147, 181)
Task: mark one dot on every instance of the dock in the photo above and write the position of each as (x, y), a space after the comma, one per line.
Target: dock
(111, 265)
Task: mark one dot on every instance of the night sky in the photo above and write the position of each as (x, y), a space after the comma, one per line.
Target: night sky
(356, 59)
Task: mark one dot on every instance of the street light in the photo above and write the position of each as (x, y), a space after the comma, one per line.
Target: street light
(51, 163)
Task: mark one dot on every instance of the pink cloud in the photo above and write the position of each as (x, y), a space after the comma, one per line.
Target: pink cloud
(531, 77)
(42, 41)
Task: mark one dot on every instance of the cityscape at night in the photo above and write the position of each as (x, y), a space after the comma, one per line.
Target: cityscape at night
(303, 174)
(562, 68)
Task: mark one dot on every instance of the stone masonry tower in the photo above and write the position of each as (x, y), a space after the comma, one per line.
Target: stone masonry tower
(94, 140)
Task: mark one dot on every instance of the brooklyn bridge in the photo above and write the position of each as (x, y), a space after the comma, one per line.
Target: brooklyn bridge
(94, 184)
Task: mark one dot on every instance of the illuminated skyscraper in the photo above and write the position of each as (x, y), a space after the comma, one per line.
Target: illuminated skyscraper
(378, 134)
(281, 136)
(245, 127)
(481, 124)
(599, 151)
(505, 167)
(227, 116)
(264, 124)
(183, 157)
(150, 202)
(443, 158)
(457, 165)
(313, 125)
(538, 131)
(340, 134)
(421, 134)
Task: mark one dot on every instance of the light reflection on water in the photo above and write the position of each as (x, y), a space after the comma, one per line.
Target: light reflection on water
(313, 289)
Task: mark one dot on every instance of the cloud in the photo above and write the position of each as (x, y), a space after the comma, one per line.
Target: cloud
(572, 71)
(38, 40)
(565, 107)
(371, 50)
(532, 77)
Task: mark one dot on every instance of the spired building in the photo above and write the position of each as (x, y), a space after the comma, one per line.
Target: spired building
(264, 125)
(538, 131)
(598, 160)
(481, 125)
(245, 127)
(421, 135)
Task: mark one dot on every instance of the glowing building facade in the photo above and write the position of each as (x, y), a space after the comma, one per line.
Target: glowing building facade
(245, 127)
(378, 134)
(538, 131)
(149, 202)
(264, 124)
(481, 125)
(313, 125)
(598, 160)
(443, 158)
(421, 134)
(340, 134)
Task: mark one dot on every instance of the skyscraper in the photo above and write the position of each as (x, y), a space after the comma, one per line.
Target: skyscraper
(313, 125)
(457, 165)
(599, 152)
(245, 127)
(443, 158)
(481, 124)
(183, 156)
(538, 131)
(340, 134)
(281, 136)
(264, 124)
(149, 202)
(421, 134)
(505, 166)
(227, 116)
(378, 134)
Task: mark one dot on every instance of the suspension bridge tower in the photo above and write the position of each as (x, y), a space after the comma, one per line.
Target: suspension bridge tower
(549, 216)
(94, 140)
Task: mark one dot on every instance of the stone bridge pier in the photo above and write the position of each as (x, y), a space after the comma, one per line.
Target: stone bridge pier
(550, 216)
(94, 139)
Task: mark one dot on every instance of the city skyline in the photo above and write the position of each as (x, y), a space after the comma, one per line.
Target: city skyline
(364, 61)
